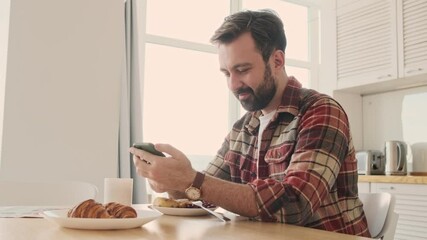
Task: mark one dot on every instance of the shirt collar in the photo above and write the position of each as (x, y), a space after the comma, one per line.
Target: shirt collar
(289, 104)
(291, 97)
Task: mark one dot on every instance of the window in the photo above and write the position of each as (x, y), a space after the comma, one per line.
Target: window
(186, 101)
(180, 99)
(295, 19)
(181, 20)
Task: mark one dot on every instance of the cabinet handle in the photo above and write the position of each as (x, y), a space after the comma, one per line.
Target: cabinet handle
(384, 76)
(387, 188)
(414, 70)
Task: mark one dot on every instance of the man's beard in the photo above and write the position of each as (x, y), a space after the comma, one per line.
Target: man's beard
(262, 95)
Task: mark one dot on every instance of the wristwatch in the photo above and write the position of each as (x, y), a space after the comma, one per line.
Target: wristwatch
(194, 192)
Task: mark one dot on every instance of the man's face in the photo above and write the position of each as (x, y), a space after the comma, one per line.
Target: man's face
(260, 97)
(248, 76)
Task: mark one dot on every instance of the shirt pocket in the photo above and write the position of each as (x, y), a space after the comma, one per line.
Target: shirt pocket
(278, 158)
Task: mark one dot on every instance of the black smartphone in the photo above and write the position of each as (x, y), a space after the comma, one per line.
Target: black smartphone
(149, 147)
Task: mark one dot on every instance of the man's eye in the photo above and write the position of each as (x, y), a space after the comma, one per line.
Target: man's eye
(242, 70)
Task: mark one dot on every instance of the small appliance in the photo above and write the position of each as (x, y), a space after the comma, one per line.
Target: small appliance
(395, 157)
(370, 162)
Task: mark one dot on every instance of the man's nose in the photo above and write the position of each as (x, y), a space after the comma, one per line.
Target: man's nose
(234, 82)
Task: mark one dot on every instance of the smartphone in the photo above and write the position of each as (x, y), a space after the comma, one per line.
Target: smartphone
(149, 147)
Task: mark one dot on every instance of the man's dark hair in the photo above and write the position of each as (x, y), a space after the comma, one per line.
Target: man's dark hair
(265, 27)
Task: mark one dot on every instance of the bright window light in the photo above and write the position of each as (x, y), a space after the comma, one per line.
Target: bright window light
(185, 100)
(182, 20)
(295, 21)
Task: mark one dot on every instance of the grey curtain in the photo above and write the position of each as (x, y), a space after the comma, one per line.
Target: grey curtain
(131, 105)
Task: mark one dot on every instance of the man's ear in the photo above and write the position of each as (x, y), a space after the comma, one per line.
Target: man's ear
(279, 59)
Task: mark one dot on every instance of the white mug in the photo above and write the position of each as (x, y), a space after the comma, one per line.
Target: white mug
(118, 190)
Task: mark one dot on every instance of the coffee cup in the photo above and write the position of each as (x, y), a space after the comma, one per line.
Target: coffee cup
(118, 190)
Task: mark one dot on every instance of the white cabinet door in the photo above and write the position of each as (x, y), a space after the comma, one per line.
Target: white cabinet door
(412, 37)
(366, 43)
(411, 205)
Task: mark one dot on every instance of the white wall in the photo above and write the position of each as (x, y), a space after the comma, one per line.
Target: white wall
(4, 34)
(397, 115)
(61, 108)
(328, 63)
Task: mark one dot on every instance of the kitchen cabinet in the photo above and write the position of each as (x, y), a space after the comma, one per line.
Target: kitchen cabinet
(381, 45)
(411, 205)
(366, 42)
(412, 26)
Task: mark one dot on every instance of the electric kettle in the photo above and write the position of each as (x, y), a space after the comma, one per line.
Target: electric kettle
(395, 157)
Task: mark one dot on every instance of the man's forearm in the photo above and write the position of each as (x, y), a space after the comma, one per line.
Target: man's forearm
(234, 197)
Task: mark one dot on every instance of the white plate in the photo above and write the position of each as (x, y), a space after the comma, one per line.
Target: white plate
(60, 217)
(182, 211)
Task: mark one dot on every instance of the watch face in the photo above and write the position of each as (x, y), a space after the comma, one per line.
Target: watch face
(193, 193)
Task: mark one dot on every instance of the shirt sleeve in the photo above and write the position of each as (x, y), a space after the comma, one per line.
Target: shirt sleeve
(321, 145)
(217, 167)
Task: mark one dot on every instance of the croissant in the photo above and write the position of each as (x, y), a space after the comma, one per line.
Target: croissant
(118, 210)
(89, 209)
(92, 209)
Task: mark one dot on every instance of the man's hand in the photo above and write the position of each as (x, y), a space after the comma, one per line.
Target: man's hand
(165, 174)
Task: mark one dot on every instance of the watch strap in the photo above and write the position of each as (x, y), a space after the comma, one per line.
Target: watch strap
(198, 180)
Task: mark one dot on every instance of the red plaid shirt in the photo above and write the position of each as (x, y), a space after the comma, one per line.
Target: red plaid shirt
(307, 170)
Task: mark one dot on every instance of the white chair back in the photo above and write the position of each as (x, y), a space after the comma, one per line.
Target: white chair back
(380, 214)
(68, 193)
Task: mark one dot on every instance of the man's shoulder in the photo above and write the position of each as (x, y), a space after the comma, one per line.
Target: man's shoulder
(311, 97)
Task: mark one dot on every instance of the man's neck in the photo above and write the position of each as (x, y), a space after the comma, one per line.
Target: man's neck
(277, 99)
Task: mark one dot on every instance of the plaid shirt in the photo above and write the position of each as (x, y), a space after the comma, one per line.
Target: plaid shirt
(307, 170)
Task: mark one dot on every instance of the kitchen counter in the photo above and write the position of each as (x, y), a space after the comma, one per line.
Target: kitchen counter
(393, 179)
